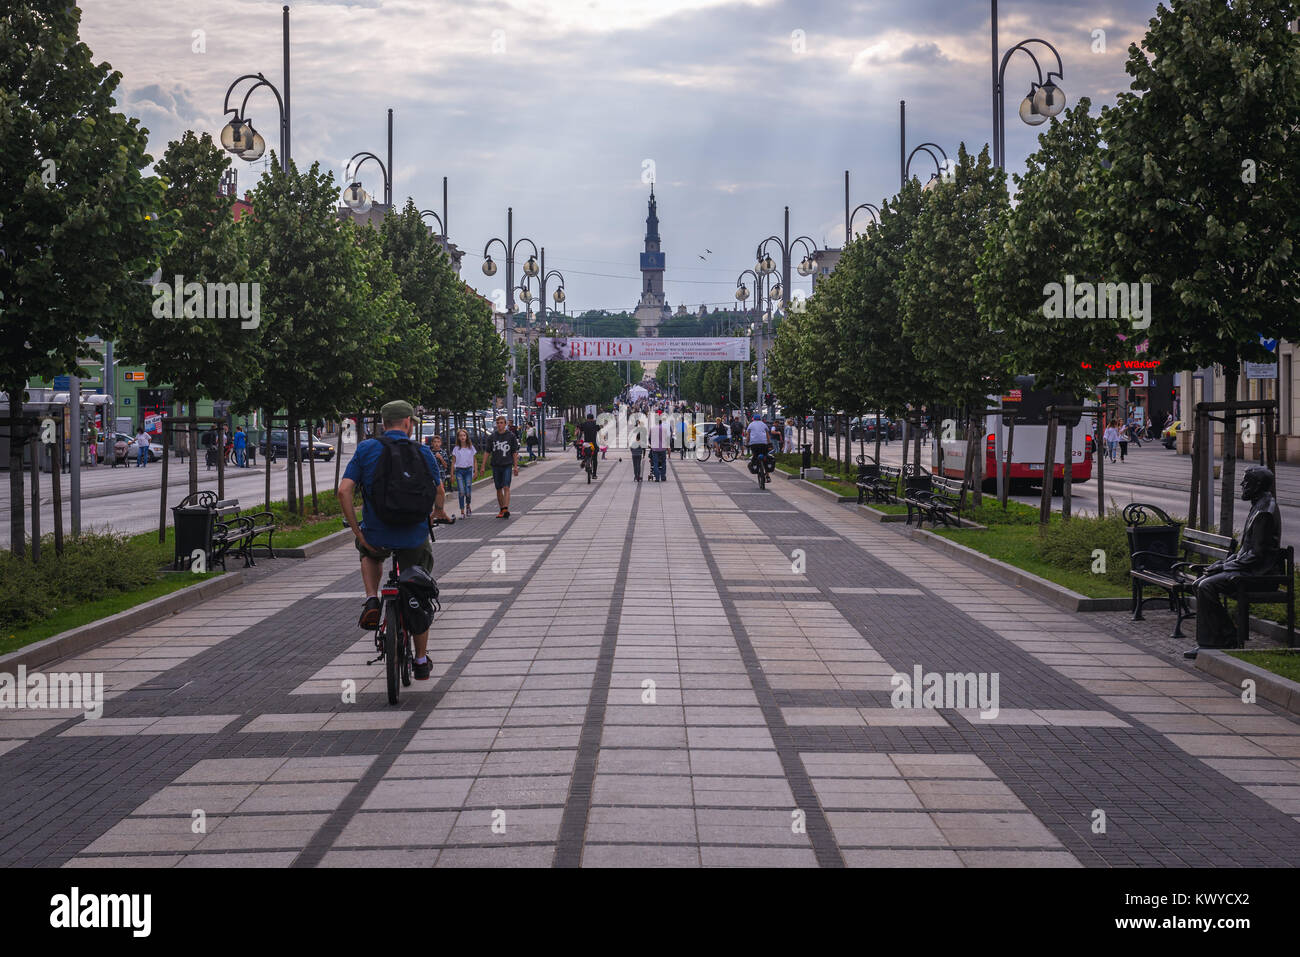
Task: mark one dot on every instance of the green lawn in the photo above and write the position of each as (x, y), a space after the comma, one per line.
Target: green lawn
(65, 619)
(1018, 545)
(1283, 663)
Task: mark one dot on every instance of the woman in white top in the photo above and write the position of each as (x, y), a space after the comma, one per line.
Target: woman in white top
(1111, 438)
(462, 460)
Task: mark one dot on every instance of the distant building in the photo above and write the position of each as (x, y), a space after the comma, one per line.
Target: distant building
(826, 261)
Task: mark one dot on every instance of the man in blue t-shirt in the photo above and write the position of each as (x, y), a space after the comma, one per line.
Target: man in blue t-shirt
(377, 541)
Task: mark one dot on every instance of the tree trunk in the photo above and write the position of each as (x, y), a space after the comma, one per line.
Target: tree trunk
(194, 448)
(311, 467)
(290, 446)
(17, 520)
(1067, 475)
(266, 457)
(1227, 494)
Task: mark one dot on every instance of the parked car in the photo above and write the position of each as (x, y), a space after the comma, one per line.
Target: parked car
(865, 428)
(280, 445)
(124, 449)
(1169, 437)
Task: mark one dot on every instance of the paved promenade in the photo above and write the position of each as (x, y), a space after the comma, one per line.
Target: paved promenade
(683, 674)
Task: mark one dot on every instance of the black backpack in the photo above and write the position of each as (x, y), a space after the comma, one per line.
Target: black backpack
(403, 491)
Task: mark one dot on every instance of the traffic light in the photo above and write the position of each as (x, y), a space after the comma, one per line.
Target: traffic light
(722, 401)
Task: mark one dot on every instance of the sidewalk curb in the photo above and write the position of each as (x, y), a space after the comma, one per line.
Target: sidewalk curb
(879, 516)
(323, 544)
(828, 493)
(1056, 594)
(1282, 692)
(114, 626)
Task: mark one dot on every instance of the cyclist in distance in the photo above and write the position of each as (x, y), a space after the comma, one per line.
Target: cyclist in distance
(759, 439)
(589, 431)
(376, 539)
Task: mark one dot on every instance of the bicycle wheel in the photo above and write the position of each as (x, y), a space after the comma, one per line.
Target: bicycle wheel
(762, 474)
(587, 465)
(408, 659)
(392, 631)
(733, 453)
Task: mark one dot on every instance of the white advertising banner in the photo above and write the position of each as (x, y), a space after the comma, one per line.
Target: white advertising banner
(725, 349)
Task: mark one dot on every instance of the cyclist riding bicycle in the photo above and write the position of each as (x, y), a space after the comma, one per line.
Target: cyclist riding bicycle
(590, 431)
(399, 502)
(759, 441)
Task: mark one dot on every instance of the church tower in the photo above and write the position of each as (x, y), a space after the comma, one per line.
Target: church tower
(651, 309)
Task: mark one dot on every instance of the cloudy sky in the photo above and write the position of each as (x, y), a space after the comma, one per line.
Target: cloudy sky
(562, 108)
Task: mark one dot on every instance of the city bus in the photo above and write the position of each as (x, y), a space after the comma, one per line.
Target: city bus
(1029, 446)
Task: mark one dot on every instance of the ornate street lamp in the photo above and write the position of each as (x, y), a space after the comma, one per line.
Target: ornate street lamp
(1044, 100)
(510, 246)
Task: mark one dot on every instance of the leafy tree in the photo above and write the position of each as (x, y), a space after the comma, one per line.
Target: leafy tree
(430, 284)
(77, 236)
(324, 337)
(1052, 232)
(1201, 197)
(936, 291)
(407, 349)
(481, 358)
(184, 341)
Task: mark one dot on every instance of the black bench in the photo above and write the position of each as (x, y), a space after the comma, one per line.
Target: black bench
(884, 487)
(239, 533)
(1163, 555)
(868, 474)
(1154, 564)
(935, 497)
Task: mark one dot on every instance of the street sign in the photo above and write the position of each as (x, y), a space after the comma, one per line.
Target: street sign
(1262, 370)
(62, 383)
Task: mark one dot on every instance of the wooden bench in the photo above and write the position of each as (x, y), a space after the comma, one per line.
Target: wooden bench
(935, 497)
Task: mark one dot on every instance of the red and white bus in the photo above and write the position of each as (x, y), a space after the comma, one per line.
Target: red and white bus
(1029, 447)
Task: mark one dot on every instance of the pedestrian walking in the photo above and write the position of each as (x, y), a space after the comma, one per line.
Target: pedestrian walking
(241, 447)
(1134, 430)
(1111, 438)
(93, 448)
(1123, 441)
(531, 440)
(141, 448)
(636, 444)
(462, 460)
(660, 440)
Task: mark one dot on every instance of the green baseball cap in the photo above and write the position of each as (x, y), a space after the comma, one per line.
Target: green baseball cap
(397, 409)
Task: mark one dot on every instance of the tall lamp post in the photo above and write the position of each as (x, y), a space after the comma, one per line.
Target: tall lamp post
(766, 266)
(440, 220)
(543, 278)
(905, 158)
(1044, 100)
(510, 245)
(765, 292)
(238, 136)
(355, 196)
(850, 213)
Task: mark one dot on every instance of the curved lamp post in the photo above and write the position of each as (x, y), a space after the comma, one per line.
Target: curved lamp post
(238, 136)
(543, 279)
(939, 167)
(354, 196)
(1044, 100)
(849, 214)
(509, 246)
